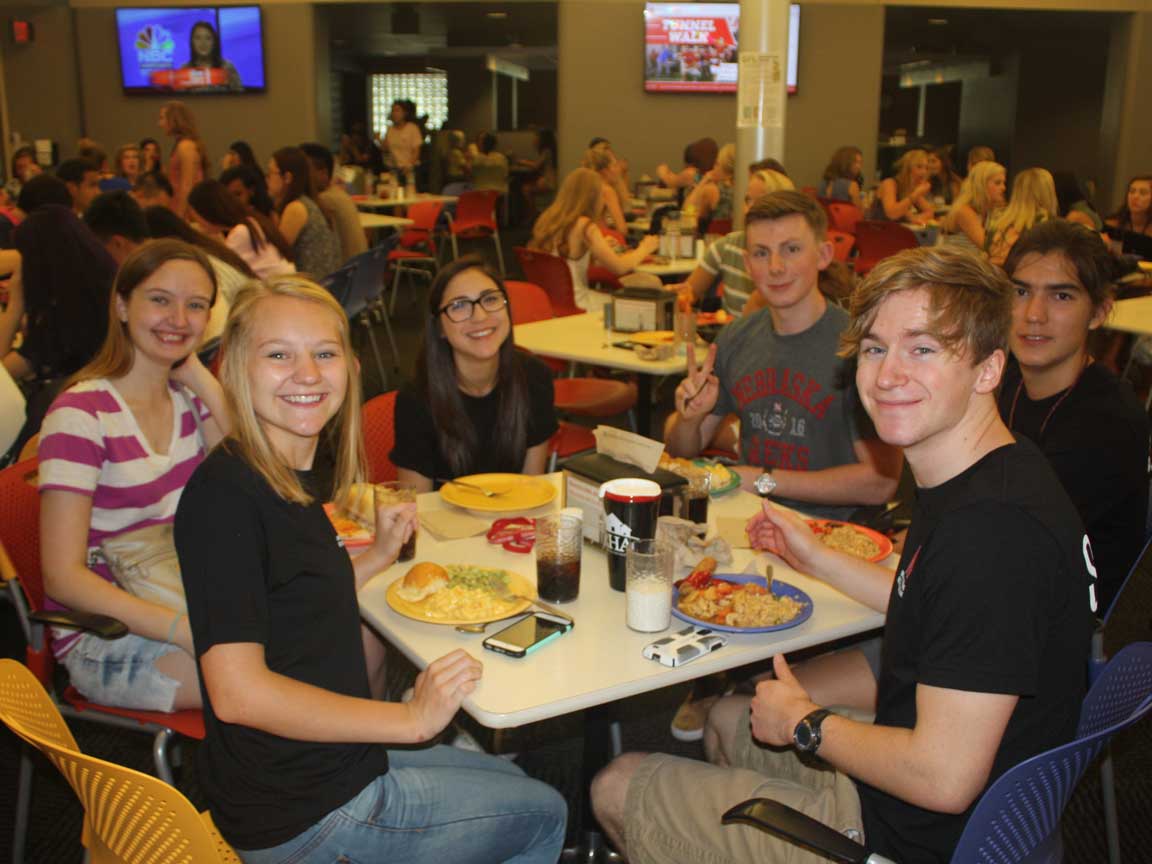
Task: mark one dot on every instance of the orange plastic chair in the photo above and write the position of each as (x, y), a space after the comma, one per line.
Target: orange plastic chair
(842, 244)
(877, 239)
(20, 535)
(415, 251)
(719, 226)
(378, 418)
(476, 218)
(585, 397)
(129, 817)
(551, 273)
(843, 216)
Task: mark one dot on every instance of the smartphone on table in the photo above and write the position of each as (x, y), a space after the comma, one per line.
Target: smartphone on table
(528, 634)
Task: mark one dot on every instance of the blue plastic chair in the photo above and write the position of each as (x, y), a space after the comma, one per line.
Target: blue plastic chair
(358, 287)
(1018, 817)
(1142, 569)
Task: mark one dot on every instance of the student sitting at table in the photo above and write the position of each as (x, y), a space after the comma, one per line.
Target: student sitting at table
(904, 197)
(1086, 421)
(712, 198)
(249, 186)
(115, 452)
(246, 231)
(979, 154)
(605, 164)
(294, 764)
(568, 228)
(803, 439)
(699, 159)
(338, 206)
(943, 177)
(723, 269)
(842, 176)
(981, 195)
(478, 405)
(1033, 201)
(315, 247)
(987, 624)
(1073, 201)
(1135, 214)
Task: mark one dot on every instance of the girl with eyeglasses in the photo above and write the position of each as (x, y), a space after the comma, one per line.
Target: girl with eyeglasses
(478, 405)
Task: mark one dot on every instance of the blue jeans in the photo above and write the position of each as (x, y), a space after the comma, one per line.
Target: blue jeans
(439, 804)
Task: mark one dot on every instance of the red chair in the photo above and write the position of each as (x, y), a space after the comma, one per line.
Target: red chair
(551, 273)
(582, 397)
(20, 536)
(843, 216)
(603, 279)
(842, 244)
(719, 226)
(569, 440)
(378, 419)
(876, 240)
(476, 218)
(416, 248)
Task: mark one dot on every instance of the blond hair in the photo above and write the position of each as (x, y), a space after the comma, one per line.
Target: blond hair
(974, 191)
(598, 159)
(1033, 200)
(248, 437)
(726, 159)
(970, 300)
(903, 176)
(580, 195)
(773, 181)
(181, 125)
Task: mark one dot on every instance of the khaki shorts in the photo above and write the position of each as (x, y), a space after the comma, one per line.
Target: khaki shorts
(674, 805)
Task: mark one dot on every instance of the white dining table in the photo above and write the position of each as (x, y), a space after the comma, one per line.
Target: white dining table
(582, 339)
(671, 267)
(374, 202)
(377, 221)
(600, 660)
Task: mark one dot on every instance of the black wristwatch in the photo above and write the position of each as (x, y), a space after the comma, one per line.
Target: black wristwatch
(806, 735)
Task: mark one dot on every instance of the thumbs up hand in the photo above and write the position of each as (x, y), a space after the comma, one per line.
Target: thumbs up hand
(779, 705)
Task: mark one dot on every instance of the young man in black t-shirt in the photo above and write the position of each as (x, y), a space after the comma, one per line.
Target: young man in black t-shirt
(1087, 422)
(986, 638)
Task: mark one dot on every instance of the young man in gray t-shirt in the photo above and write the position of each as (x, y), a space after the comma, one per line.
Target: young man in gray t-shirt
(804, 439)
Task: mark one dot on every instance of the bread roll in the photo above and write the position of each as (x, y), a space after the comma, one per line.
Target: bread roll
(422, 580)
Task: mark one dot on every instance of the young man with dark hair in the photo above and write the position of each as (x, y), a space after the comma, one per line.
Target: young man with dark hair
(1086, 421)
(338, 207)
(43, 189)
(804, 439)
(118, 221)
(153, 190)
(987, 618)
(83, 181)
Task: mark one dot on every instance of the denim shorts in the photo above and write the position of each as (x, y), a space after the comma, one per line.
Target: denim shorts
(122, 672)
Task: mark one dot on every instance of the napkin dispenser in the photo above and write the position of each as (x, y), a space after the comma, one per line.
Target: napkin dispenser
(643, 309)
(584, 474)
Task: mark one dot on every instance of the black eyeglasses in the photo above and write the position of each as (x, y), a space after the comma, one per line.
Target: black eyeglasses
(463, 308)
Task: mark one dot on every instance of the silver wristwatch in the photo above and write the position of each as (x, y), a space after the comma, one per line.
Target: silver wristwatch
(765, 484)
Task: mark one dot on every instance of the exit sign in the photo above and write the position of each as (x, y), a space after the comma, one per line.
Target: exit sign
(22, 31)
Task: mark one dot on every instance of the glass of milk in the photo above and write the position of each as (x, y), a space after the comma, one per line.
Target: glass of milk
(648, 585)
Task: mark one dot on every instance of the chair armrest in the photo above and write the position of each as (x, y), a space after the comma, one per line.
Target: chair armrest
(103, 626)
(794, 826)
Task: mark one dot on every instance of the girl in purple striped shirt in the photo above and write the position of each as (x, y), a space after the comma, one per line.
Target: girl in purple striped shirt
(116, 449)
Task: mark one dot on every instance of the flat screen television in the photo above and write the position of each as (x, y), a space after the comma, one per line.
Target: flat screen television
(192, 49)
(693, 47)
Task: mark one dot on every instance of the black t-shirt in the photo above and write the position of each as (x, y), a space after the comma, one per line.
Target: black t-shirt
(991, 596)
(260, 569)
(1097, 440)
(417, 449)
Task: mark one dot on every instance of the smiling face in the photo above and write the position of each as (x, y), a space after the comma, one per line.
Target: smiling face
(917, 391)
(166, 313)
(203, 43)
(477, 339)
(784, 259)
(1139, 197)
(130, 162)
(297, 374)
(995, 189)
(934, 164)
(1052, 314)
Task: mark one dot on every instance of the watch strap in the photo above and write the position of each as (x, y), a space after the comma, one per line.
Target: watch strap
(812, 721)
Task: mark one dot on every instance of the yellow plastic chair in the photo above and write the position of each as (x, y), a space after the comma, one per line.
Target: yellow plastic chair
(129, 817)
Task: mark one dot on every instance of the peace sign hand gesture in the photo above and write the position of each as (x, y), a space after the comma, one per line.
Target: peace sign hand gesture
(697, 394)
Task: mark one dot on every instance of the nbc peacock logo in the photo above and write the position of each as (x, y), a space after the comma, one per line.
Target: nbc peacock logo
(155, 47)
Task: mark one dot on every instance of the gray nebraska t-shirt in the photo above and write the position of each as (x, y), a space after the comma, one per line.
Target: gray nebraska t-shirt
(796, 399)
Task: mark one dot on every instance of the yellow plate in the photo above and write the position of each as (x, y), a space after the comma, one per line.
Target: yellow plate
(517, 584)
(653, 337)
(518, 492)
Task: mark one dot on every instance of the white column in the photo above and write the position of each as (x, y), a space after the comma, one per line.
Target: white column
(763, 92)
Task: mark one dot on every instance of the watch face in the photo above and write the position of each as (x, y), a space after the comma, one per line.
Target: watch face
(803, 735)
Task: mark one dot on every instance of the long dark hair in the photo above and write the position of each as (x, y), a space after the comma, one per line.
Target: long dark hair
(243, 151)
(67, 277)
(256, 184)
(216, 61)
(215, 203)
(1122, 215)
(436, 379)
(291, 160)
(162, 222)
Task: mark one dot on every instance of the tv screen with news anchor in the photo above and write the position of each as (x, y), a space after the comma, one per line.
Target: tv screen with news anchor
(694, 47)
(192, 49)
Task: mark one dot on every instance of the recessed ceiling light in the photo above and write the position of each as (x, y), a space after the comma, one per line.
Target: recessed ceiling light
(496, 15)
(938, 22)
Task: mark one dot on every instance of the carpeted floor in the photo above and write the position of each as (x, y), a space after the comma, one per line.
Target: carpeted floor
(552, 751)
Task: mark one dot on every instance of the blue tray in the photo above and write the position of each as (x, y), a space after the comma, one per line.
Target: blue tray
(780, 589)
